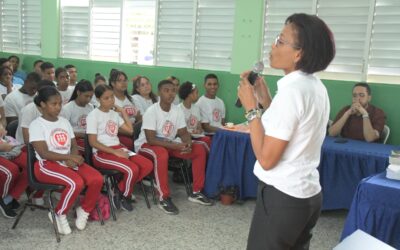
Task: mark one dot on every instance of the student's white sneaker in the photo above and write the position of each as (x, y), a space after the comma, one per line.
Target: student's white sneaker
(62, 223)
(81, 218)
(38, 201)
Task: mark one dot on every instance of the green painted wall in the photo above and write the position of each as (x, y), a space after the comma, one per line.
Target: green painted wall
(246, 50)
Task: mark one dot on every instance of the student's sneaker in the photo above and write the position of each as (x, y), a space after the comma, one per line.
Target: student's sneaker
(167, 206)
(200, 198)
(38, 201)
(116, 200)
(81, 218)
(15, 204)
(62, 223)
(126, 204)
(6, 210)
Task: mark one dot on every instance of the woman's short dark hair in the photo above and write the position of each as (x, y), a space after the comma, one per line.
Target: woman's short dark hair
(98, 77)
(60, 70)
(44, 94)
(100, 89)
(316, 41)
(82, 86)
(186, 89)
(365, 85)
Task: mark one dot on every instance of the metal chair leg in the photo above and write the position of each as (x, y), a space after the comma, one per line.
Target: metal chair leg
(145, 194)
(99, 214)
(112, 209)
(53, 215)
(153, 190)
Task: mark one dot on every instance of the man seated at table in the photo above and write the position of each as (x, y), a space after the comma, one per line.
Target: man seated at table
(361, 120)
(211, 107)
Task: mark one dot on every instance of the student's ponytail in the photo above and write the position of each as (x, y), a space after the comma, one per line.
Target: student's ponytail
(44, 94)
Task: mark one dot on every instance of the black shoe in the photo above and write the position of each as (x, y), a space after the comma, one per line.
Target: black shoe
(116, 200)
(7, 210)
(126, 204)
(168, 207)
(15, 204)
(200, 199)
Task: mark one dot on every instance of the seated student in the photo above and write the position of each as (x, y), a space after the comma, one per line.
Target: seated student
(48, 71)
(17, 82)
(211, 107)
(29, 113)
(361, 120)
(176, 83)
(16, 100)
(142, 95)
(14, 60)
(77, 110)
(6, 84)
(60, 163)
(73, 75)
(36, 67)
(3, 121)
(189, 94)
(162, 123)
(102, 129)
(13, 175)
(119, 83)
(62, 80)
(98, 80)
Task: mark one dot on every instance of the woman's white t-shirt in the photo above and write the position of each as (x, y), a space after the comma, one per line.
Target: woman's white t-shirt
(165, 124)
(142, 103)
(76, 115)
(105, 125)
(298, 114)
(28, 113)
(192, 116)
(57, 135)
(14, 102)
(66, 95)
(130, 108)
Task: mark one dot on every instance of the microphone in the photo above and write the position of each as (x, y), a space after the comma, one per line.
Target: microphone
(257, 68)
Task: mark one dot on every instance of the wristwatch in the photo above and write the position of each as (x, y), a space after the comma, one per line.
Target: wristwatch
(252, 114)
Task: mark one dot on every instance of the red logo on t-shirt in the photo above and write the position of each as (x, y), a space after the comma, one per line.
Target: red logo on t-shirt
(59, 138)
(167, 128)
(82, 121)
(130, 110)
(216, 115)
(192, 122)
(111, 128)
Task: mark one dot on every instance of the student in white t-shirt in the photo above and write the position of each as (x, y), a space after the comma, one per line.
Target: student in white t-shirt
(29, 113)
(59, 162)
(73, 75)
(176, 83)
(77, 110)
(211, 107)
(16, 100)
(48, 71)
(6, 84)
(3, 121)
(62, 79)
(142, 95)
(102, 128)
(98, 80)
(189, 94)
(119, 83)
(163, 122)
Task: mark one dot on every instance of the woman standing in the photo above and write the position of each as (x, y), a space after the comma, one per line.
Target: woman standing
(287, 138)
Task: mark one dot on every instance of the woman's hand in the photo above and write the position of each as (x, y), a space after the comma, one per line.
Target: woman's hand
(118, 109)
(77, 159)
(246, 92)
(121, 153)
(3, 132)
(5, 147)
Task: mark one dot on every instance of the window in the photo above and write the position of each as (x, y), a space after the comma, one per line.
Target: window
(366, 35)
(174, 33)
(21, 26)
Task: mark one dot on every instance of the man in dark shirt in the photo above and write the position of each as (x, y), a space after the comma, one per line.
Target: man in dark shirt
(361, 120)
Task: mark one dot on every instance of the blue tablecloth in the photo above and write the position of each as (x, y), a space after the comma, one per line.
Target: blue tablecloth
(344, 165)
(231, 162)
(376, 210)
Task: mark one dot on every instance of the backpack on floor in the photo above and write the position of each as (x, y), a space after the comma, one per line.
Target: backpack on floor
(104, 206)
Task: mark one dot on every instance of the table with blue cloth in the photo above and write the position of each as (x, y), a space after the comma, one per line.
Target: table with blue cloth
(230, 163)
(376, 210)
(344, 165)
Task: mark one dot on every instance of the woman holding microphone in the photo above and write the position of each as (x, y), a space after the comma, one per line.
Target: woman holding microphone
(287, 138)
